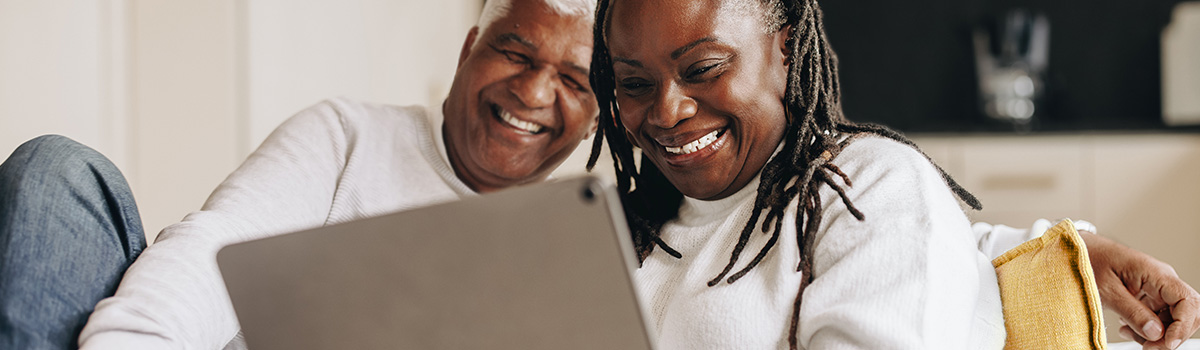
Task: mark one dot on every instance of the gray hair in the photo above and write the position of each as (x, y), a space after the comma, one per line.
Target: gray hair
(495, 9)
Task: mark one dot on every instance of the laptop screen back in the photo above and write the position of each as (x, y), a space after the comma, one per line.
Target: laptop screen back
(540, 267)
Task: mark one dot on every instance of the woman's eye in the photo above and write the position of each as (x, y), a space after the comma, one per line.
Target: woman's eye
(634, 87)
(703, 71)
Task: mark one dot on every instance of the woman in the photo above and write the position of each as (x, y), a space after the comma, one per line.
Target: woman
(735, 107)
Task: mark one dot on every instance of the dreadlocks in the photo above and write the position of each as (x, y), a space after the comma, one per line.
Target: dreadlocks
(816, 133)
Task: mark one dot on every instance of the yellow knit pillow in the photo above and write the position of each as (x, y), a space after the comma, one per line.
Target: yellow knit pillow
(1049, 293)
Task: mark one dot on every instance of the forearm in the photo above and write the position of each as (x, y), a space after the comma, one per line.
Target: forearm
(171, 298)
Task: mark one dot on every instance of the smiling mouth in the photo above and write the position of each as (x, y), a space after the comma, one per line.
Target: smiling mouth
(521, 125)
(698, 144)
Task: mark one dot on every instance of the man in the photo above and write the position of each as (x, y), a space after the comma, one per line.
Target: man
(519, 104)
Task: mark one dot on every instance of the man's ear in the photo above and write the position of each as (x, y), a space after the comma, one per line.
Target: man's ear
(466, 49)
(595, 125)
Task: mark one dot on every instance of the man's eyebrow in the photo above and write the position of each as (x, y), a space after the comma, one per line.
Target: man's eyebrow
(514, 38)
(684, 49)
(577, 68)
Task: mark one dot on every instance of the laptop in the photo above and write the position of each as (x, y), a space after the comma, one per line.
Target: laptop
(547, 266)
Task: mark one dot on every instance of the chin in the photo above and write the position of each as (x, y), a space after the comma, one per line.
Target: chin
(505, 173)
(695, 191)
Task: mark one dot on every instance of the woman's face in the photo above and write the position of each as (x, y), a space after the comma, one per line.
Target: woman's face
(700, 86)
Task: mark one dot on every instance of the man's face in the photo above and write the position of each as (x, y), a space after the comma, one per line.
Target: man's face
(520, 102)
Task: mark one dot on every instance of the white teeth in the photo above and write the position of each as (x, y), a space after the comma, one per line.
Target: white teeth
(519, 124)
(693, 146)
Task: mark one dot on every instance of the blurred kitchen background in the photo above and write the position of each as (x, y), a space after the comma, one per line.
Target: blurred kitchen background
(1093, 104)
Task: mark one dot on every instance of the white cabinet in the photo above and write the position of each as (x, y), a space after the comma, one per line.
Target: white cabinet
(1140, 189)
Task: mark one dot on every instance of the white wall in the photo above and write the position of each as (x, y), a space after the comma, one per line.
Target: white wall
(184, 106)
(300, 52)
(177, 93)
(56, 74)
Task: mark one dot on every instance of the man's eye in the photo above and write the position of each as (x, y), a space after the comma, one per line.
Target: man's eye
(574, 84)
(516, 57)
(512, 56)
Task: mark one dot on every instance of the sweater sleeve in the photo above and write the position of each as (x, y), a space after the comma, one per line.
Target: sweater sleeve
(909, 275)
(173, 297)
(995, 240)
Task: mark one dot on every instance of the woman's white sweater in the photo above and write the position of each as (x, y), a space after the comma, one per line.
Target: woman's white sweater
(909, 276)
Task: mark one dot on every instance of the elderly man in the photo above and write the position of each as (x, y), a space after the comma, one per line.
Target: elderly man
(519, 105)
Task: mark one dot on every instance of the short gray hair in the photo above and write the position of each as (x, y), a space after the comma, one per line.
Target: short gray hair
(493, 10)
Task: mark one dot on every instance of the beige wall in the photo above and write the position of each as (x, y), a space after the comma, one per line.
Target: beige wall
(177, 93)
(55, 61)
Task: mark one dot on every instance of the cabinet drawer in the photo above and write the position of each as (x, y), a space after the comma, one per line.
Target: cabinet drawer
(1026, 178)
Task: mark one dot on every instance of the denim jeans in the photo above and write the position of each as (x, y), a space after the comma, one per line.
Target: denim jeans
(69, 229)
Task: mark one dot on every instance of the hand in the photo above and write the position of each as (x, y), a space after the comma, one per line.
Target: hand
(1145, 292)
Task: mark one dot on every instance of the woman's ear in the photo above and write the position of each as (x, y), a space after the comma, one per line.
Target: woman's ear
(782, 39)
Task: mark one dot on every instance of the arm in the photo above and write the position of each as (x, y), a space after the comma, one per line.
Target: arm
(1135, 285)
(906, 277)
(1144, 291)
(173, 297)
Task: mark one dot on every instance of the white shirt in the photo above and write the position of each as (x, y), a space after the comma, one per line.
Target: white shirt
(334, 162)
(907, 277)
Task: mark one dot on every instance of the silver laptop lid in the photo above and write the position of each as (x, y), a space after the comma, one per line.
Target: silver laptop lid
(540, 267)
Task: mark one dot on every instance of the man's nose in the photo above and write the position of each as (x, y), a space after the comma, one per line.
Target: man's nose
(672, 107)
(535, 87)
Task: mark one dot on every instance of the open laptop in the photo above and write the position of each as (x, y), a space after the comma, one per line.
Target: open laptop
(540, 267)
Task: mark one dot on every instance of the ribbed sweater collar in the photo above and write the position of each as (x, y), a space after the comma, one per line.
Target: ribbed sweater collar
(695, 212)
(436, 146)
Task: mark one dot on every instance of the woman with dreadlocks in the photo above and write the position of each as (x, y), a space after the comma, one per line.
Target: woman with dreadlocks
(764, 218)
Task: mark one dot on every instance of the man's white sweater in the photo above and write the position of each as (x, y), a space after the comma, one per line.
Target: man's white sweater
(334, 162)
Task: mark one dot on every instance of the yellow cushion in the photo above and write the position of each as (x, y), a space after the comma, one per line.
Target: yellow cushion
(1049, 293)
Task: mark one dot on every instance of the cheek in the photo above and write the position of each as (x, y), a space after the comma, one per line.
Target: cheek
(758, 110)
(584, 111)
(630, 113)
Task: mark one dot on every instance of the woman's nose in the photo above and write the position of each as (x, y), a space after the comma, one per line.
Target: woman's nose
(673, 107)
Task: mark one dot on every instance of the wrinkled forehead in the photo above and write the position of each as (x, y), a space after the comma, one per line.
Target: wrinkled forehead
(495, 10)
(540, 28)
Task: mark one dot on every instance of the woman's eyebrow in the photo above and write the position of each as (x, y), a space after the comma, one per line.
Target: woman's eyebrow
(685, 48)
(628, 61)
(674, 54)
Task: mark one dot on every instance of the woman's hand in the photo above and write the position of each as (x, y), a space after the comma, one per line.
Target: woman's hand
(1147, 294)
